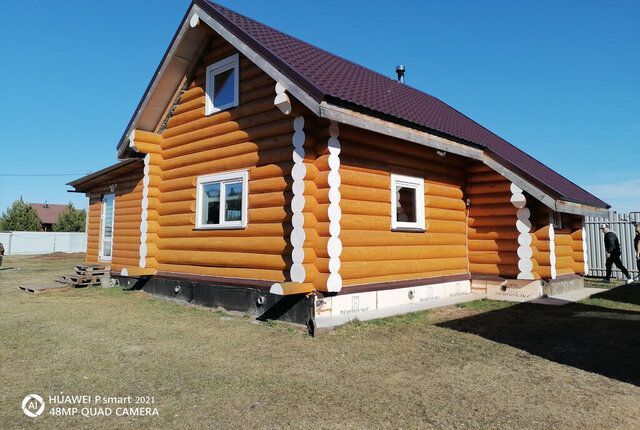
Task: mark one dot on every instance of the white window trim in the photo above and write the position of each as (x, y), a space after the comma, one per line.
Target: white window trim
(408, 182)
(223, 178)
(103, 225)
(232, 62)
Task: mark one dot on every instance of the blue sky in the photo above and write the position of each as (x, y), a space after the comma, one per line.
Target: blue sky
(557, 79)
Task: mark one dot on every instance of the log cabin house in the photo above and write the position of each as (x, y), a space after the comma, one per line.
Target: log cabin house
(260, 173)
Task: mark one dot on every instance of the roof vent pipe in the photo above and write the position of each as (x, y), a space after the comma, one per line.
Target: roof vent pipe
(400, 71)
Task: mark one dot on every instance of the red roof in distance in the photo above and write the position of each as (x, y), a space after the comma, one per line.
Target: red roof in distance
(48, 213)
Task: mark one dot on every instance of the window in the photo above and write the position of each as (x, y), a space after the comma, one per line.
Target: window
(106, 218)
(221, 200)
(222, 85)
(407, 203)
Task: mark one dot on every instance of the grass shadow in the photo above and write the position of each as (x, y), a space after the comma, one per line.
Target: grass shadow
(590, 337)
(629, 294)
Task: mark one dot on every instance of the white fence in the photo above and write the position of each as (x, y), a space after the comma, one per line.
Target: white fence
(40, 242)
(621, 225)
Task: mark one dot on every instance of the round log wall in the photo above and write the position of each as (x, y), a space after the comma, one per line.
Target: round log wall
(126, 221)
(370, 251)
(93, 230)
(493, 236)
(255, 136)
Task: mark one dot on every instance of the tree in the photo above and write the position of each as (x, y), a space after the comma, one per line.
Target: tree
(71, 219)
(20, 217)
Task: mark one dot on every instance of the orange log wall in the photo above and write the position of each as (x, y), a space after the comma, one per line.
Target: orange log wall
(254, 136)
(93, 230)
(126, 232)
(568, 246)
(567, 243)
(371, 252)
(493, 237)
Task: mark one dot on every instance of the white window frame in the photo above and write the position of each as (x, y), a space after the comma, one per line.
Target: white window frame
(104, 225)
(407, 182)
(232, 62)
(222, 179)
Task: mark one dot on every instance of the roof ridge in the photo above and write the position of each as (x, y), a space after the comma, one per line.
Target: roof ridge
(219, 6)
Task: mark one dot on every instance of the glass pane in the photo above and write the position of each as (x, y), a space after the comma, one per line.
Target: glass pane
(233, 195)
(108, 210)
(107, 249)
(406, 207)
(108, 218)
(223, 88)
(211, 204)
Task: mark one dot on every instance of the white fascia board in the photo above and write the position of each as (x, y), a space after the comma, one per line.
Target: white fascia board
(580, 209)
(357, 119)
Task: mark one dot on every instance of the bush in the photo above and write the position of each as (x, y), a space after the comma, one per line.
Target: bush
(71, 219)
(20, 217)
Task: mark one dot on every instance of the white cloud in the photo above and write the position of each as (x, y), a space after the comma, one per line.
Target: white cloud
(622, 196)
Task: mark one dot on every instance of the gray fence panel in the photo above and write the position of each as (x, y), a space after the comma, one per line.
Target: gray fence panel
(37, 242)
(621, 225)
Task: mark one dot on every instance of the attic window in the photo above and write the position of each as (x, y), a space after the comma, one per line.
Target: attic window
(222, 85)
(221, 201)
(407, 203)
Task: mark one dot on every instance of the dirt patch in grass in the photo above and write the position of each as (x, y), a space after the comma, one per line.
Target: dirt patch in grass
(139, 294)
(446, 368)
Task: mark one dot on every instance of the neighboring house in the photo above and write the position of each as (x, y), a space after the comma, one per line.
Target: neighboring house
(48, 214)
(258, 166)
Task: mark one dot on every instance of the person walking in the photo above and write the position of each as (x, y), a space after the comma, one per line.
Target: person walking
(612, 248)
(1, 252)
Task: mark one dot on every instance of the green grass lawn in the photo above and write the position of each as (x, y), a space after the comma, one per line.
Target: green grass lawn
(480, 365)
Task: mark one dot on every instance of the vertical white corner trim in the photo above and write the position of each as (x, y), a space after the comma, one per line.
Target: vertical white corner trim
(584, 249)
(143, 215)
(552, 251)
(523, 225)
(282, 101)
(334, 245)
(194, 21)
(298, 172)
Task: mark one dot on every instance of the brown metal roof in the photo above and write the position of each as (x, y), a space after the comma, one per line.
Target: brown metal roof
(325, 76)
(332, 79)
(48, 213)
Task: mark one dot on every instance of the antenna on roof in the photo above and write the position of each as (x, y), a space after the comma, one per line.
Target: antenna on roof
(400, 71)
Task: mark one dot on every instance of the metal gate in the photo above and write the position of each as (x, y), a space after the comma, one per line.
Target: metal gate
(621, 225)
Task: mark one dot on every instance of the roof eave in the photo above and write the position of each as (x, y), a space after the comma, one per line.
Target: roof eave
(357, 119)
(549, 198)
(78, 183)
(158, 94)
